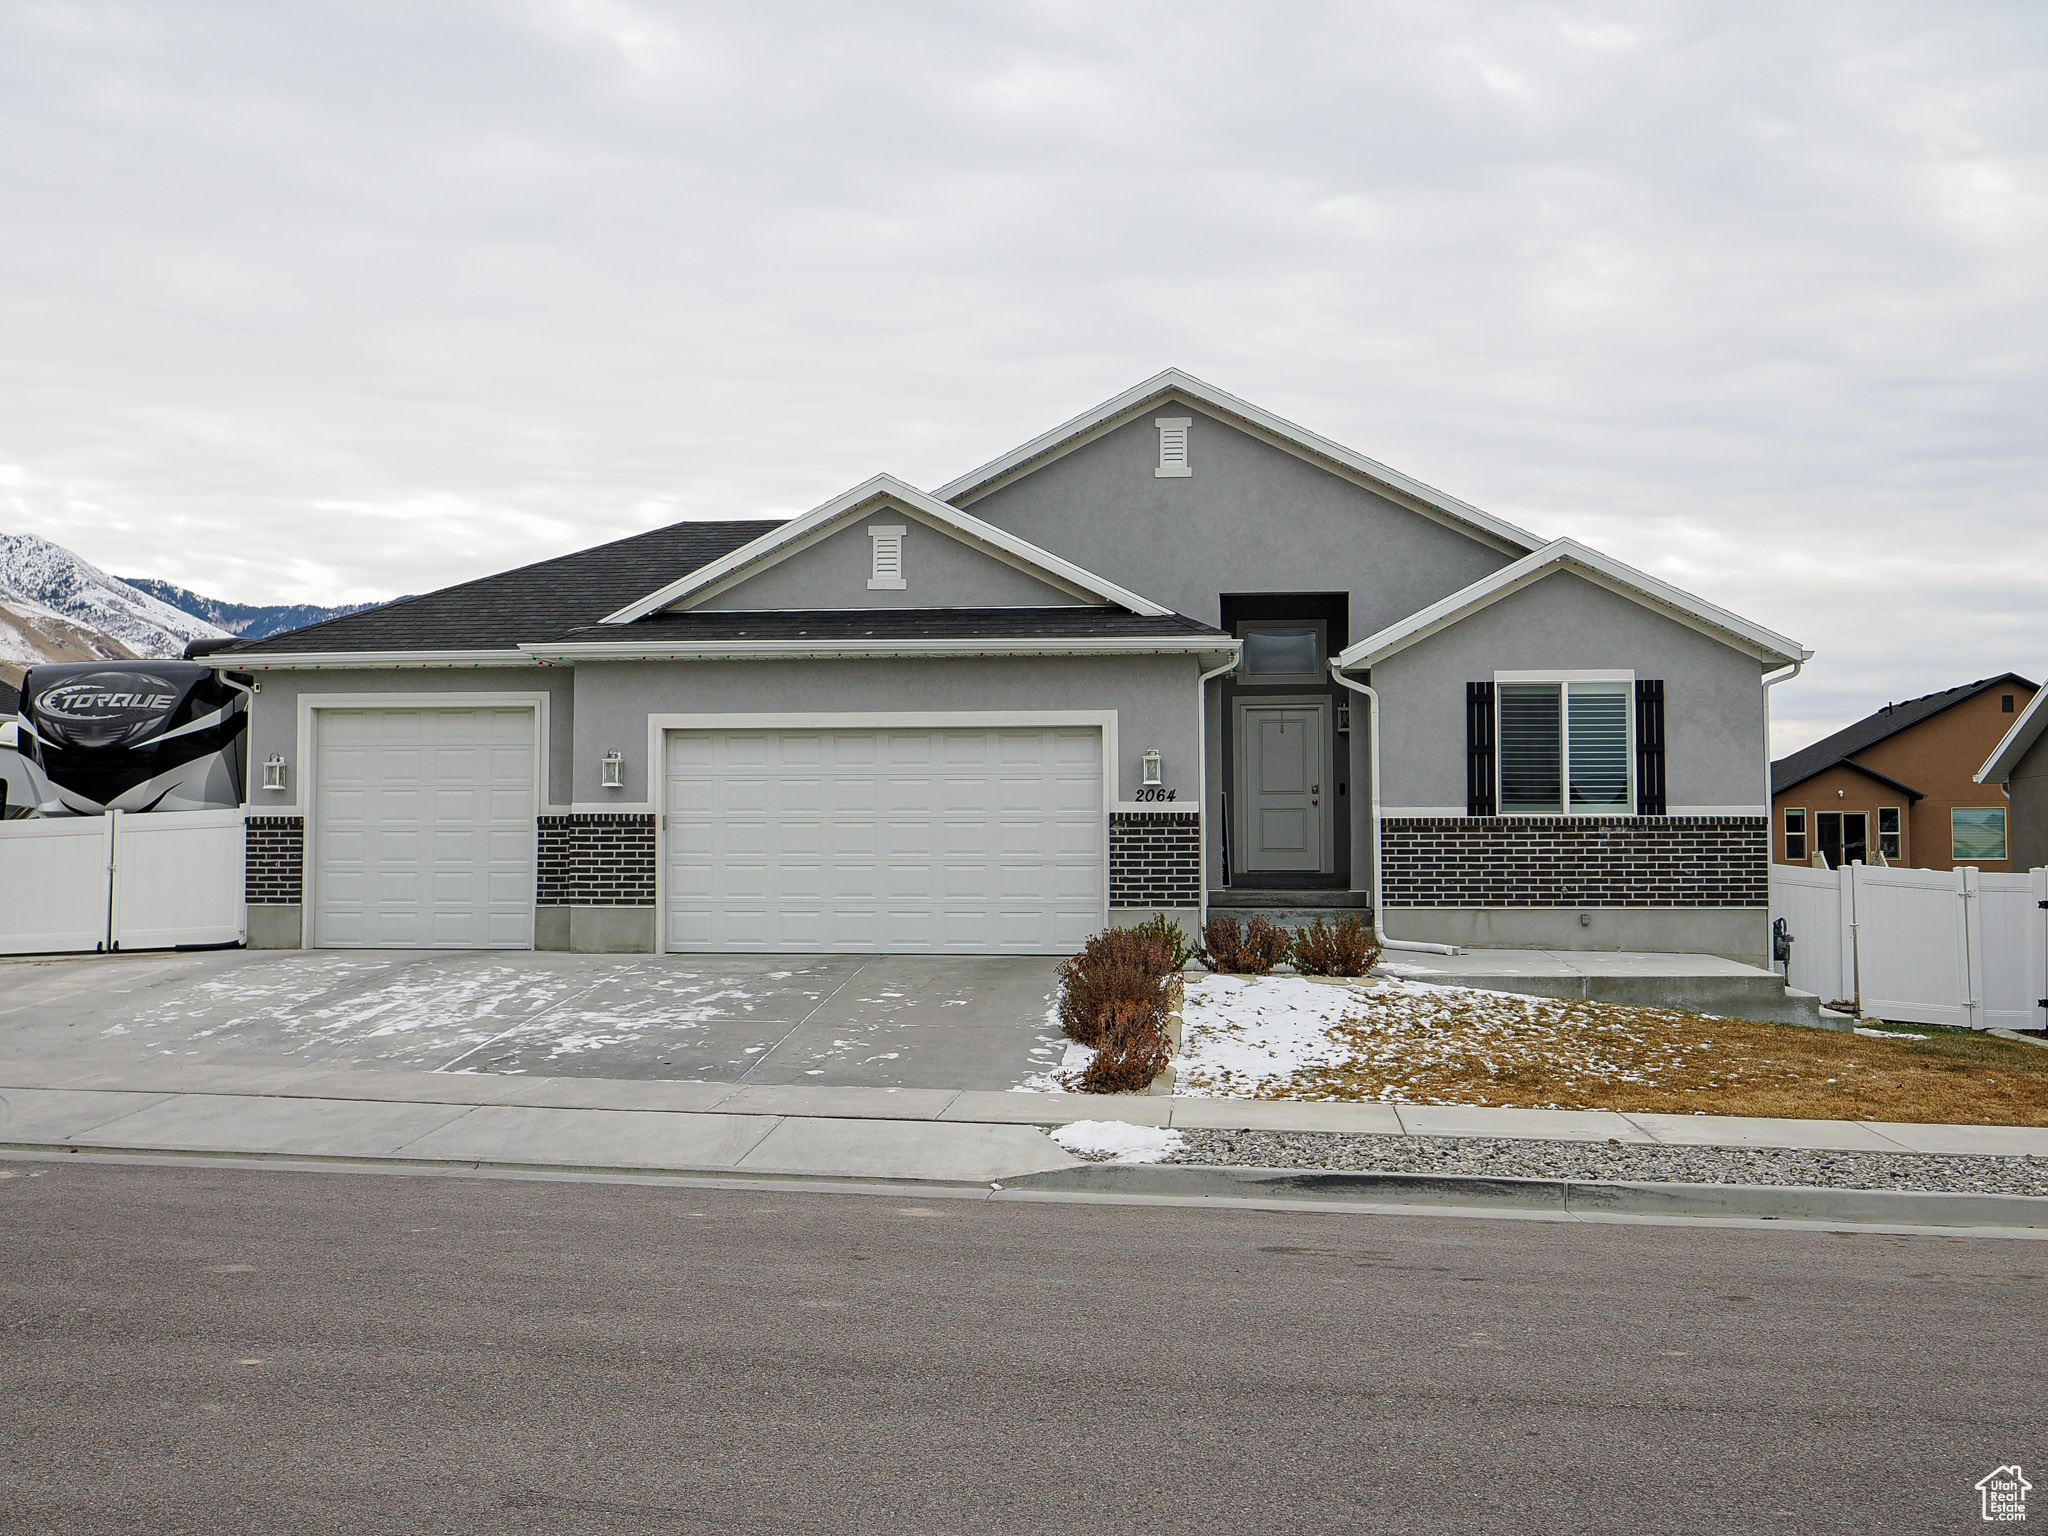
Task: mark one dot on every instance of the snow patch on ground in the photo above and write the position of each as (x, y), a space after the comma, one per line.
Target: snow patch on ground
(1886, 1034)
(1112, 1141)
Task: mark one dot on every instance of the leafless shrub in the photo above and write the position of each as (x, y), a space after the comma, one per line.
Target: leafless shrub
(1343, 947)
(1252, 949)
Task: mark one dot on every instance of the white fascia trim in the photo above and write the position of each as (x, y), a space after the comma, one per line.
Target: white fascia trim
(819, 520)
(1281, 432)
(1603, 570)
(746, 650)
(2016, 742)
(284, 661)
(1568, 675)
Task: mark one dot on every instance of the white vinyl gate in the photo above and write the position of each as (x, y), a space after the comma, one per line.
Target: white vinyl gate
(1919, 946)
(126, 880)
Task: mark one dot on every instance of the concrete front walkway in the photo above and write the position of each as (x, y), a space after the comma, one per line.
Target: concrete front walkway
(945, 1135)
(1702, 983)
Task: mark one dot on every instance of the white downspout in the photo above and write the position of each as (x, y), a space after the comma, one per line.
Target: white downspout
(1771, 832)
(1202, 783)
(1379, 923)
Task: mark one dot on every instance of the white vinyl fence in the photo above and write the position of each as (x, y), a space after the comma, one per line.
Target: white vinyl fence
(126, 880)
(1919, 946)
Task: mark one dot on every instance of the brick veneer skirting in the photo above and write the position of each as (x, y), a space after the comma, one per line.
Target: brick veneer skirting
(1574, 861)
(1155, 859)
(603, 859)
(274, 860)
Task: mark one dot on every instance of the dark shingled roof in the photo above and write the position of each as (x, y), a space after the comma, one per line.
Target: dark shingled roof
(1075, 622)
(533, 603)
(1839, 748)
(10, 699)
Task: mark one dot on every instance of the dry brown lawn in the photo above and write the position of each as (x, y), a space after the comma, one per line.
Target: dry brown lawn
(1441, 1046)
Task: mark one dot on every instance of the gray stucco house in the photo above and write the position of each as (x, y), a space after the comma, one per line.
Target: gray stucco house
(1132, 666)
(2019, 766)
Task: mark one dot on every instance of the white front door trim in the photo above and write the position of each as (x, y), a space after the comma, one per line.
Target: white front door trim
(658, 727)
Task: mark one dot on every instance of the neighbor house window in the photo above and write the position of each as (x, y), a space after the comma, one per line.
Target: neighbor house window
(2005, 703)
(1795, 836)
(1888, 842)
(1282, 653)
(1566, 747)
(1977, 832)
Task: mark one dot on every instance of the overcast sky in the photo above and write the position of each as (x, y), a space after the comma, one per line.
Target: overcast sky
(335, 302)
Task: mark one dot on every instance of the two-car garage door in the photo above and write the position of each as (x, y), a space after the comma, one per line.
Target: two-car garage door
(943, 840)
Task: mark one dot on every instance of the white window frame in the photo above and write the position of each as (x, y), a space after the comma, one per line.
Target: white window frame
(886, 574)
(1564, 680)
(1174, 459)
(1897, 834)
(1804, 834)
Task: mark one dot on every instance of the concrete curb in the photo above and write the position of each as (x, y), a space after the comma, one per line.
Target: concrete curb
(1890, 1207)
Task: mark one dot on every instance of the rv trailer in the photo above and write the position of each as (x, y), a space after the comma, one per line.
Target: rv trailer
(105, 736)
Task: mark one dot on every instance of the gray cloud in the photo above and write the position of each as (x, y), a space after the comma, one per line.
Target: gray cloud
(335, 302)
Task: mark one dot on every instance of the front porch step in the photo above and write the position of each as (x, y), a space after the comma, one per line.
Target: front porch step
(1266, 900)
(1290, 917)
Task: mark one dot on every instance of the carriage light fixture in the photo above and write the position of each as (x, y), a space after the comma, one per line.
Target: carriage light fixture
(1152, 779)
(613, 767)
(273, 771)
(1343, 718)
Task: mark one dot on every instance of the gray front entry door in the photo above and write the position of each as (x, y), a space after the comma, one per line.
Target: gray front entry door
(1283, 768)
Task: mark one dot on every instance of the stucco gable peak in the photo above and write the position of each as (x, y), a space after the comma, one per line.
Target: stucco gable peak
(1176, 386)
(2016, 743)
(1569, 555)
(882, 491)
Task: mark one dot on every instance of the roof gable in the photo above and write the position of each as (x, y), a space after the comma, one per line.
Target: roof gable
(1877, 726)
(884, 495)
(1175, 386)
(2017, 742)
(1696, 613)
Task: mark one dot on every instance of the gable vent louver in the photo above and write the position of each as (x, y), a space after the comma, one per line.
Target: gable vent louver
(887, 574)
(1173, 447)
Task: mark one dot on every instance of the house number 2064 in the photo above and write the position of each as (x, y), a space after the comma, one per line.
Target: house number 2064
(1156, 793)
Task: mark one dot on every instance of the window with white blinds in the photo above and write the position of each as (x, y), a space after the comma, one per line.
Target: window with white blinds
(888, 568)
(1565, 747)
(1173, 446)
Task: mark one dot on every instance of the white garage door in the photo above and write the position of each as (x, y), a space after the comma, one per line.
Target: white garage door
(951, 841)
(423, 829)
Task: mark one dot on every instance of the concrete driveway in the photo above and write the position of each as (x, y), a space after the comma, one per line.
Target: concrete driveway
(827, 1020)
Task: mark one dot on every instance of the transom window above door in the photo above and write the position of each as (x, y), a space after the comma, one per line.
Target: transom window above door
(1279, 652)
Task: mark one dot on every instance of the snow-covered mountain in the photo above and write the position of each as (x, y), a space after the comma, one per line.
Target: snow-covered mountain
(57, 607)
(252, 621)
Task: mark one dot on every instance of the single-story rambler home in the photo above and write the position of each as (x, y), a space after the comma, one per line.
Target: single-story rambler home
(1174, 647)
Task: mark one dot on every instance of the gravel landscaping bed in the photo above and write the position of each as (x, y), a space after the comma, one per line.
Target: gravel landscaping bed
(1637, 1162)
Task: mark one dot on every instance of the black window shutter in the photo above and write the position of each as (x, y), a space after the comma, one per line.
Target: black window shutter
(1479, 749)
(1650, 746)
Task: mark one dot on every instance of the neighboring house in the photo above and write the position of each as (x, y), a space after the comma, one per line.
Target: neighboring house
(1115, 671)
(2018, 769)
(1899, 786)
(10, 700)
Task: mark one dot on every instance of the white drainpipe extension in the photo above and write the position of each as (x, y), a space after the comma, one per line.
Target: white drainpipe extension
(1379, 922)
(1202, 784)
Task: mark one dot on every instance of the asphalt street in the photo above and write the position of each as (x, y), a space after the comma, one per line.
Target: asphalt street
(220, 1349)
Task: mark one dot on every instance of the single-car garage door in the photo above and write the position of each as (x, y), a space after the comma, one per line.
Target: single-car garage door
(951, 841)
(423, 830)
